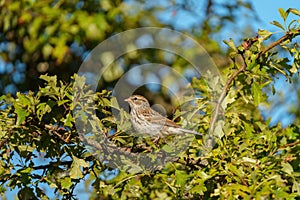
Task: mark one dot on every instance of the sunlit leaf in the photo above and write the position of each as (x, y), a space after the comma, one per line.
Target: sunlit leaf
(66, 183)
(76, 167)
(287, 168)
(276, 23)
(231, 44)
(294, 11)
(283, 14)
(265, 34)
(257, 93)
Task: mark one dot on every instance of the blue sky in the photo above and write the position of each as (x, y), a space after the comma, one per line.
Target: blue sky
(267, 11)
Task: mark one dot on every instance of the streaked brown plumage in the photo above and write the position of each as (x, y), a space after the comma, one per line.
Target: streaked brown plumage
(145, 120)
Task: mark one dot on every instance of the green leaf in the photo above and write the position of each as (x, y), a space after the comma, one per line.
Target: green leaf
(174, 189)
(69, 119)
(168, 148)
(276, 23)
(294, 11)
(79, 82)
(49, 79)
(25, 148)
(248, 129)
(292, 26)
(21, 115)
(218, 129)
(113, 102)
(296, 187)
(22, 107)
(42, 109)
(23, 99)
(76, 167)
(204, 176)
(66, 183)
(257, 93)
(181, 177)
(26, 170)
(265, 34)
(250, 160)
(235, 170)
(200, 188)
(231, 44)
(287, 168)
(283, 14)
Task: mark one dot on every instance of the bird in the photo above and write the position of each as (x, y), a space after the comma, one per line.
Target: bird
(147, 121)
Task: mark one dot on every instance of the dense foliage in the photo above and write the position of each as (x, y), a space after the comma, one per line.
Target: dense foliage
(41, 148)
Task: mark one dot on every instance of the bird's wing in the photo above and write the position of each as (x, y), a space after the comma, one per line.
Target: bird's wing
(164, 121)
(189, 131)
(158, 119)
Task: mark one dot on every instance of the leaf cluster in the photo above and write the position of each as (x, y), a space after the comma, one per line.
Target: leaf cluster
(40, 144)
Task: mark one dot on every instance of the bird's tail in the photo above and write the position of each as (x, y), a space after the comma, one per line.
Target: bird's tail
(189, 131)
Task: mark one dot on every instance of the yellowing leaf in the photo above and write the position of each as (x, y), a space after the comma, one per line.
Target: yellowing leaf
(294, 11)
(66, 183)
(283, 14)
(27, 170)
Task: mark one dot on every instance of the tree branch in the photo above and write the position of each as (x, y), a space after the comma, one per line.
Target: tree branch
(222, 96)
(290, 144)
(59, 163)
(54, 129)
(287, 36)
(246, 45)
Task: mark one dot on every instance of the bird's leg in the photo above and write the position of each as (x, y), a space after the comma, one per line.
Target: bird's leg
(156, 140)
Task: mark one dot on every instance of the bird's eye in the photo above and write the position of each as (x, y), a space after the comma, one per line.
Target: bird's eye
(135, 98)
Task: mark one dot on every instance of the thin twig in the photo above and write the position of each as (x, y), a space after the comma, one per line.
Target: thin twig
(287, 36)
(126, 179)
(290, 144)
(59, 163)
(208, 7)
(5, 140)
(54, 129)
(223, 94)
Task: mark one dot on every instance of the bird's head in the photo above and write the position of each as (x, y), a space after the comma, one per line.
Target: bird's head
(137, 101)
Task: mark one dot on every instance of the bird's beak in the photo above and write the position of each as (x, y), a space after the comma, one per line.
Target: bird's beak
(127, 100)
